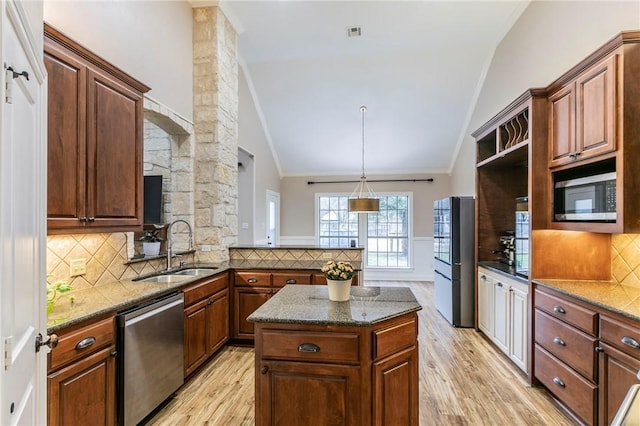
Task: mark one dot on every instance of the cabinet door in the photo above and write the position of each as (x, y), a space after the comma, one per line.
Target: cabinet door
(395, 390)
(485, 303)
(596, 102)
(518, 342)
(195, 336)
(562, 126)
(84, 392)
(66, 137)
(501, 316)
(114, 152)
(618, 371)
(283, 390)
(218, 321)
(247, 300)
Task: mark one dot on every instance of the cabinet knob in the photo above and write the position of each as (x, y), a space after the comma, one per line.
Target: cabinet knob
(264, 370)
(629, 341)
(599, 349)
(84, 219)
(559, 309)
(484, 277)
(114, 353)
(499, 284)
(92, 219)
(559, 341)
(558, 381)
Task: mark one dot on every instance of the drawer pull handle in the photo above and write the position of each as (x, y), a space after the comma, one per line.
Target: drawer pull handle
(85, 343)
(559, 341)
(559, 309)
(630, 342)
(252, 280)
(291, 281)
(308, 347)
(558, 381)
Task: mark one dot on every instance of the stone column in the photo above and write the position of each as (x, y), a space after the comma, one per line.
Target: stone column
(215, 96)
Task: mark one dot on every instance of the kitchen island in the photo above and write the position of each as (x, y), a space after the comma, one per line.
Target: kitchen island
(320, 362)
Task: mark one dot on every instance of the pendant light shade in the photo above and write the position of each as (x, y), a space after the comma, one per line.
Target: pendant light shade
(365, 200)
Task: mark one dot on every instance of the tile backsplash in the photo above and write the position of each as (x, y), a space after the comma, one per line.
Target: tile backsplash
(106, 256)
(291, 253)
(625, 259)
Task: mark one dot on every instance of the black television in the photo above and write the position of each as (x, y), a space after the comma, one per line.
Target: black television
(152, 199)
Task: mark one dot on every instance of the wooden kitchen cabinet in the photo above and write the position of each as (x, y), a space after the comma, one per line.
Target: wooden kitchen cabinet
(619, 363)
(81, 381)
(206, 320)
(95, 125)
(583, 116)
(355, 375)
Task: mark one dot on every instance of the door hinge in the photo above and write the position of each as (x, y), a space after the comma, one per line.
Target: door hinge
(8, 84)
(8, 349)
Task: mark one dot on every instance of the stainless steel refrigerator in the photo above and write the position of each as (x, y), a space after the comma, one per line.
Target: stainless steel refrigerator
(454, 259)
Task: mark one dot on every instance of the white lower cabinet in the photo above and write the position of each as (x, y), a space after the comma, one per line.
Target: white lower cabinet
(503, 314)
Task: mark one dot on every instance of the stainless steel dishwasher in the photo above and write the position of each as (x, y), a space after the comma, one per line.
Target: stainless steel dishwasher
(150, 360)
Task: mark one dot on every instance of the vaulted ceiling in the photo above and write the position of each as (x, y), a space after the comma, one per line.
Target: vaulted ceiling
(417, 67)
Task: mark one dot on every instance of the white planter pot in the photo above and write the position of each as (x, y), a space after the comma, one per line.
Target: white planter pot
(339, 290)
(151, 248)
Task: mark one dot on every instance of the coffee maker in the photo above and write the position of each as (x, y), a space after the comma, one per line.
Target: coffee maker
(507, 242)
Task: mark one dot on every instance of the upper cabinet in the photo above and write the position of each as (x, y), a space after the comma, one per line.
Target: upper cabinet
(593, 124)
(95, 141)
(582, 115)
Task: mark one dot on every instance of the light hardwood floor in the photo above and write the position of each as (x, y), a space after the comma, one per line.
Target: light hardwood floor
(464, 380)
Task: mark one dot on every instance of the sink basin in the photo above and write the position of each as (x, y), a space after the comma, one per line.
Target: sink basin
(195, 271)
(164, 279)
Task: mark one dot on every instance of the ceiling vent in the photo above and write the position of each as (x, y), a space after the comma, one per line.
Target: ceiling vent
(354, 32)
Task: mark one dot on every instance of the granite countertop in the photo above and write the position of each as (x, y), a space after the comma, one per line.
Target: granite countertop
(294, 247)
(310, 304)
(504, 269)
(112, 297)
(609, 295)
(283, 264)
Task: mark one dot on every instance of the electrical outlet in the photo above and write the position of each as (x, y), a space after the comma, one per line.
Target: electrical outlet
(205, 247)
(78, 267)
(327, 255)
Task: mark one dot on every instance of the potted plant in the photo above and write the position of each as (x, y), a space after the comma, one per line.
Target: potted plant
(151, 241)
(339, 276)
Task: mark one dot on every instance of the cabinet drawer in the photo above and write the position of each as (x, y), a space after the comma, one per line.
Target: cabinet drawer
(620, 335)
(571, 388)
(571, 346)
(582, 318)
(309, 346)
(280, 279)
(82, 342)
(252, 279)
(205, 289)
(391, 340)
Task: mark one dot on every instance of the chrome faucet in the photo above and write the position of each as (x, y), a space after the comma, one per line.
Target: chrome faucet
(169, 254)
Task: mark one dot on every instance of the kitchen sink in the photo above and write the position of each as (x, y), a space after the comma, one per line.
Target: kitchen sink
(165, 279)
(195, 271)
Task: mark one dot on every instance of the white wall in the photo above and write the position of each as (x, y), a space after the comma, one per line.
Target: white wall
(150, 40)
(547, 40)
(252, 138)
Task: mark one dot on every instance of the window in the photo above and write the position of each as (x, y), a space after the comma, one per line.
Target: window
(385, 235)
(388, 233)
(336, 226)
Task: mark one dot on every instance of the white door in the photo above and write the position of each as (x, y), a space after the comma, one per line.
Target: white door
(485, 307)
(273, 218)
(501, 315)
(22, 222)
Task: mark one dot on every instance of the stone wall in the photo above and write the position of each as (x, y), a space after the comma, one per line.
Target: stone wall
(215, 94)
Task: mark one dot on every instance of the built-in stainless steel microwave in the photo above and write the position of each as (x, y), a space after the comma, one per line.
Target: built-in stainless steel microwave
(586, 199)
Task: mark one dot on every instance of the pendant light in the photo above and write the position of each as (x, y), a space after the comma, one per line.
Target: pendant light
(366, 200)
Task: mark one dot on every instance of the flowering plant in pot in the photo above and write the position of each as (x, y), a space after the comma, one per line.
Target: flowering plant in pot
(151, 241)
(338, 275)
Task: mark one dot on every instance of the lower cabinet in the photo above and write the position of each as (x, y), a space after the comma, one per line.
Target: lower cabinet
(503, 314)
(245, 301)
(206, 320)
(81, 383)
(309, 374)
(586, 356)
